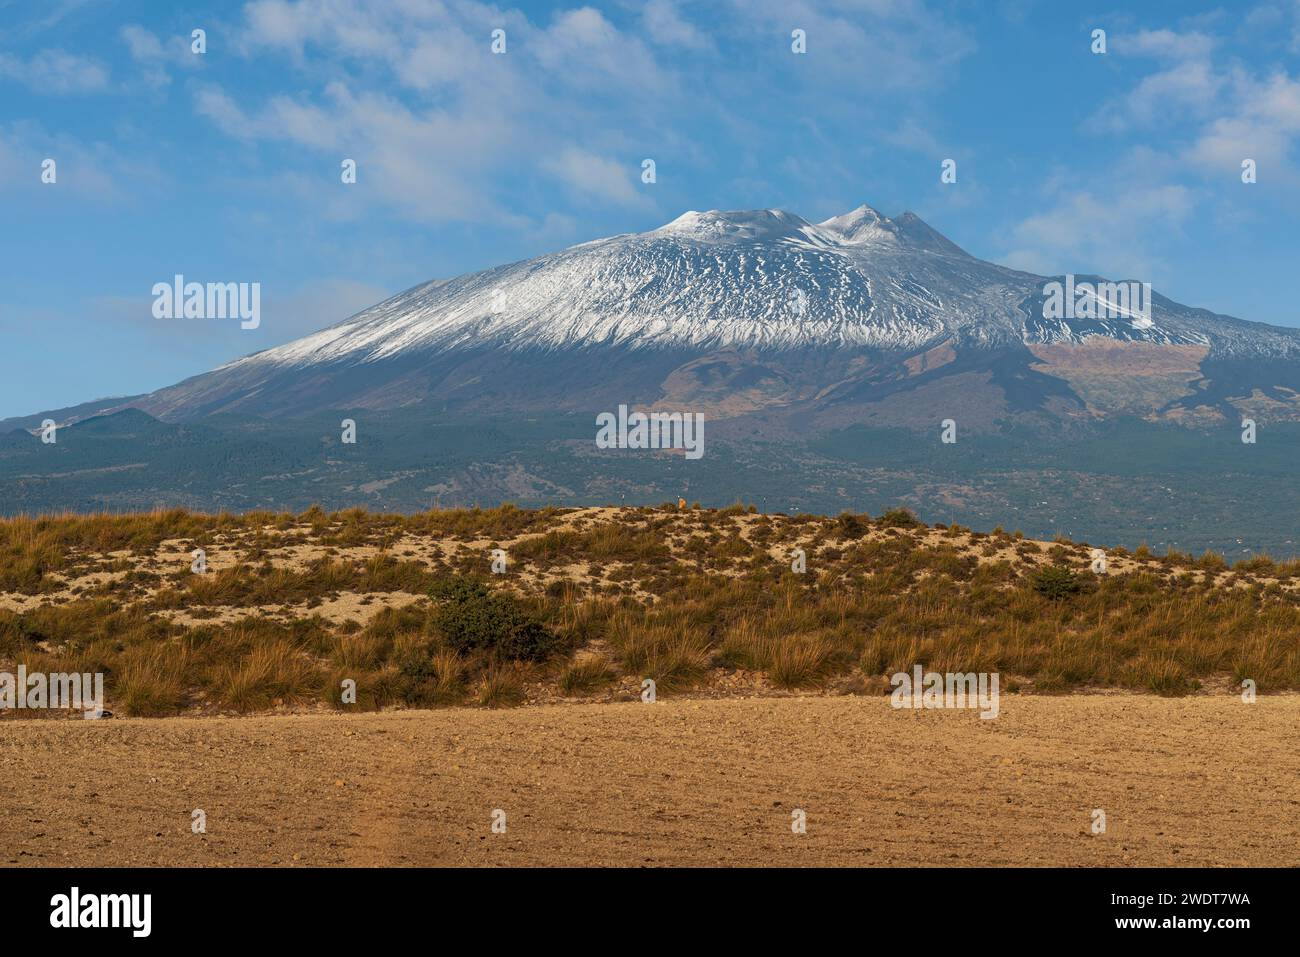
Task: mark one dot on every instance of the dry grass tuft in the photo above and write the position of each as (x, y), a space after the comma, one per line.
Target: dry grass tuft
(585, 673)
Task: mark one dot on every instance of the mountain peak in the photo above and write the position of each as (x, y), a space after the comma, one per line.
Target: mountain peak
(920, 233)
(863, 224)
(764, 281)
(739, 225)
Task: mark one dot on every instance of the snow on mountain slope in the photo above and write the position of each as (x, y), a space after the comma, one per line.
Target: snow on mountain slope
(760, 278)
(765, 282)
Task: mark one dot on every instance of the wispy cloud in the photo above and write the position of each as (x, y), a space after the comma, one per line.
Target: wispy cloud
(594, 178)
(1263, 125)
(1204, 109)
(435, 147)
(84, 170)
(1108, 234)
(157, 56)
(1221, 108)
(895, 45)
(665, 24)
(55, 71)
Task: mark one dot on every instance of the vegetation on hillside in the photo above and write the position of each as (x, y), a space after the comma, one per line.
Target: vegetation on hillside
(591, 602)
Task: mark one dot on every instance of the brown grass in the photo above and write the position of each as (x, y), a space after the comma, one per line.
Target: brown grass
(679, 596)
(585, 673)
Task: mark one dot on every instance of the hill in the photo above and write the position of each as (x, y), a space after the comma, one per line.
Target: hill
(591, 602)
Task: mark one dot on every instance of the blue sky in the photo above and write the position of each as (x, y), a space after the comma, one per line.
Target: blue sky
(225, 166)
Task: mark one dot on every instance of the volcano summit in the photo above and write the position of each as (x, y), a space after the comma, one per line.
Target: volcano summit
(859, 363)
(762, 312)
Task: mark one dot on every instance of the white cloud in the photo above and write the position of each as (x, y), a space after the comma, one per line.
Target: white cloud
(1165, 43)
(872, 45)
(460, 126)
(1187, 88)
(1221, 109)
(444, 130)
(1105, 234)
(664, 25)
(594, 177)
(85, 170)
(1187, 85)
(154, 55)
(429, 164)
(41, 17)
(583, 49)
(1263, 127)
(351, 27)
(1211, 109)
(911, 135)
(55, 71)
(224, 112)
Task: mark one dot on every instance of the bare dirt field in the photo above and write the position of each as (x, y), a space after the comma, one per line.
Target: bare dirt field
(1204, 780)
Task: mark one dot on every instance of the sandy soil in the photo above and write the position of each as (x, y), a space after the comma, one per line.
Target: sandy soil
(173, 556)
(1193, 781)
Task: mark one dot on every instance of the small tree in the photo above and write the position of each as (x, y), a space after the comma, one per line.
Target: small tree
(1056, 582)
(472, 618)
(849, 525)
(899, 518)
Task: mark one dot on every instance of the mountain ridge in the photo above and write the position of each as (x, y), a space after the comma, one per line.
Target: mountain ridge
(755, 309)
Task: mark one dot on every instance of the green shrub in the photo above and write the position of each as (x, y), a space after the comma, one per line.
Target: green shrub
(1056, 582)
(473, 618)
(899, 518)
(848, 525)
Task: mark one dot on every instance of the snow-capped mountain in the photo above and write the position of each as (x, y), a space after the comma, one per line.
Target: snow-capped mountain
(762, 311)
